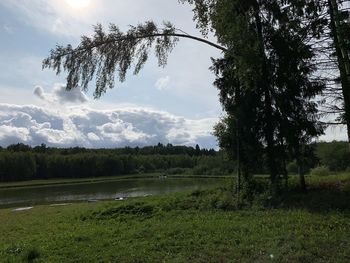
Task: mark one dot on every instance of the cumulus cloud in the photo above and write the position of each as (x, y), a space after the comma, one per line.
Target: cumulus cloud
(73, 96)
(39, 92)
(83, 126)
(163, 83)
(60, 95)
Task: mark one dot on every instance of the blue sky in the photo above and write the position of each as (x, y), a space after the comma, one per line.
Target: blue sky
(177, 104)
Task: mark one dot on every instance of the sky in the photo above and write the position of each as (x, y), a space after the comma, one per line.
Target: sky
(177, 104)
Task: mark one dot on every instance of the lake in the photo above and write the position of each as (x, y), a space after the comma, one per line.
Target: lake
(91, 191)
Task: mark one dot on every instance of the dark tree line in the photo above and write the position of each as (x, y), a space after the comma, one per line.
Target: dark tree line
(22, 162)
(161, 149)
(333, 155)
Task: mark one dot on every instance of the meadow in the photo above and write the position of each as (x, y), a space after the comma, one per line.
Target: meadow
(196, 226)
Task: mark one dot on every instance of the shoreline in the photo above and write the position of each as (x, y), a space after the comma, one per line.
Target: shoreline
(73, 181)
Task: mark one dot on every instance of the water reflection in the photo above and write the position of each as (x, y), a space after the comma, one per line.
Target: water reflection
(99, 191)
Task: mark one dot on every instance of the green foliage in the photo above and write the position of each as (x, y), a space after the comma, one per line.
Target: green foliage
(136, 209)
(105, 53)
(22, 162)
(176, 171)
(32, 163)
(200, 170)
(264, 79)
(335, 155)
(292, 168)
(320, 171)
(19, 147)
(222, 198)
(19, 165)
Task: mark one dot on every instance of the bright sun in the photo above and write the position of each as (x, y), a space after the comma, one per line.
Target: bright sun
(78, 4)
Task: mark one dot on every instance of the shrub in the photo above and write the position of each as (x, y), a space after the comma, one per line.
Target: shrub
(216, 171)
(320, 171)
(175, 171)
(226, 201)
(31, 255)
(292, 168)
(200, 170)
(334, 155)
(137, 209)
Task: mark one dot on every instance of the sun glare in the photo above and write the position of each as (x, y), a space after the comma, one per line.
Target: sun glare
(78, 4)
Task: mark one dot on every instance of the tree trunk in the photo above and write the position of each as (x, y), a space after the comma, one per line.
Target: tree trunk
(342, 58)
(300, 164)
(302, 178)
(285, 173)
(238, 142)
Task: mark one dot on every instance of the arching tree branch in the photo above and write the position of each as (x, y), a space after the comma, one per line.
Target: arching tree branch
(105, 53)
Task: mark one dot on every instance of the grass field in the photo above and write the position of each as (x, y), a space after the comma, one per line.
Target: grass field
(201, 226)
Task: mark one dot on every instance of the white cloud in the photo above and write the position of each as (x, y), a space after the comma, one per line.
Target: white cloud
(87, 127)
(83, 126)
(93, 137)
(73, 96)
(60, 95)
(163, 83)
(39, 92)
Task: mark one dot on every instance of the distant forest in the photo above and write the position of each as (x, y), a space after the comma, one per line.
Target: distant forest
(20, 162)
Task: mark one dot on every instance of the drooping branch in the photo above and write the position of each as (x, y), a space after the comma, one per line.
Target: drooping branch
(104, 54)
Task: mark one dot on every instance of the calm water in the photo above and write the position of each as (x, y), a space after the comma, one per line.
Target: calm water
(16, 197)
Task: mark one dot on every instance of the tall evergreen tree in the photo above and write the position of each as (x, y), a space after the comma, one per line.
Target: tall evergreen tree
(339, 25)
(271, 62)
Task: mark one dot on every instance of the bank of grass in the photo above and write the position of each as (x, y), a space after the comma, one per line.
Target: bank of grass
(198, 226)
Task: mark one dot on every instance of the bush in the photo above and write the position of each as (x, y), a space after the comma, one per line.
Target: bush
(216, 171)
(31, 255)
(175, 171)
(334, 155)
(200, 170)
(292, 168)
(226, 201)
(137, 209)
(320, 171)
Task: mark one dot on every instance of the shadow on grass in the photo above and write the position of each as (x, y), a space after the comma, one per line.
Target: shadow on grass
(320, 198)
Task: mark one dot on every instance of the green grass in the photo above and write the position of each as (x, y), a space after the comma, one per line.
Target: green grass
(201, 226)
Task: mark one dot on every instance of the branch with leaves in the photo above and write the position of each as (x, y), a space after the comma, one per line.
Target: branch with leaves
(105, 53)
